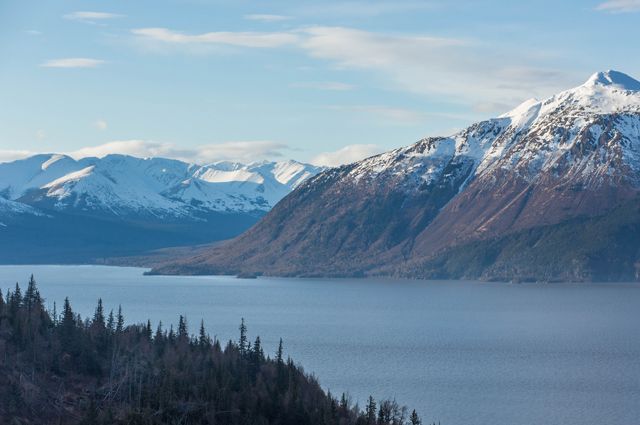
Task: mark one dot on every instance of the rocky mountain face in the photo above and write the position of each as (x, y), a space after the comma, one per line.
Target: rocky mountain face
(547, 191)
(54, 208)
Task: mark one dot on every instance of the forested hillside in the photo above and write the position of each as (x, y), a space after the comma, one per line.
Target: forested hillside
(63, 369)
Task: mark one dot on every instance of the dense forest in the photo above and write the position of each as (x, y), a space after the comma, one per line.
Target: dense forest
(58, 368)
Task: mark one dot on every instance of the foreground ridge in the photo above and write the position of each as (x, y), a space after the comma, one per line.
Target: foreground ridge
(60, 369)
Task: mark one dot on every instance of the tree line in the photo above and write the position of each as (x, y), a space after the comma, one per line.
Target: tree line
(58, 368)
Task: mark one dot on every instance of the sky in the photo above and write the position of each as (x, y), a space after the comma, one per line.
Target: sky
(326, 82)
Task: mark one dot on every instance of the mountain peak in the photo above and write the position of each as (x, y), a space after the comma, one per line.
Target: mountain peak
(615, 79)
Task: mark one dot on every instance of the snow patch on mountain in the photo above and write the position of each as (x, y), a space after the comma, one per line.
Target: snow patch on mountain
(590, 132)
(125, 185)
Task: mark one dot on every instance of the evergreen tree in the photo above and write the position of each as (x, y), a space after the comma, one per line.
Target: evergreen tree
(279, 353)
(111, 323)
(344, 402)
(16, 298)
(148, 331)
(67, 326)
(98, 316)
(32, 296)
(415, 419)
(370, 411)
(120, 323)
(243, 344)
(203, 339)
(55, 314)
(1, 303)
(158, 335)
(183, 333)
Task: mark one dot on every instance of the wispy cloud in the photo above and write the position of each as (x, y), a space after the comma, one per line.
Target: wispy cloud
(620, 6)
(323, 85)
(243, 151)
(34, 33)
(345, 155)
(365, 9)
(72, 63)
(454, 69)
(91, 17)
(241, 39)
(266, 17)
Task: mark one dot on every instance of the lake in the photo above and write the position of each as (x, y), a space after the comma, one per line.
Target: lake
(462, 353)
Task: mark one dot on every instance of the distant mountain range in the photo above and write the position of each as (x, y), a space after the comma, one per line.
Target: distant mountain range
(54, 208)
(548, 191)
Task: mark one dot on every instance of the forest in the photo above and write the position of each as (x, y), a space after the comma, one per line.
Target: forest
(60, 368)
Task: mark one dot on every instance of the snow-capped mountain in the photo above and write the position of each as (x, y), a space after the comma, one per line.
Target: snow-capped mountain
(78, 210)
(546, 164)
(125, 185)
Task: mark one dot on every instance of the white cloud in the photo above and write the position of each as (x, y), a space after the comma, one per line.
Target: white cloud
(40, 134)
(324, 85)
(101, 125)
(34, 33)
(365, 9)
(91, 17)
(345, 155)
(243, 151)
(456, 70)
(12, 155)
(72, 63)
(241, 39)
(620, 6)
(463, 70)
(266, 17)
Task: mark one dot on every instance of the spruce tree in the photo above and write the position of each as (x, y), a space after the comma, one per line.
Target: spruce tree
(148, 332)
(111, 322)
(183, 333)
(120, 322)
(55, 314)
(158, 335)
(415, 419)
(32, 296)
(279, 353)
(16, 298)
(68, 326)
(370, 411)
(243, 345)
(98, 316)
(203, 338)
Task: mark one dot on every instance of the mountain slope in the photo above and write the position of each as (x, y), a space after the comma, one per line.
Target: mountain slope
(57, 209)
(571, 158)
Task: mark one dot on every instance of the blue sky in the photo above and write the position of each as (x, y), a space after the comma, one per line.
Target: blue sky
(322, 81)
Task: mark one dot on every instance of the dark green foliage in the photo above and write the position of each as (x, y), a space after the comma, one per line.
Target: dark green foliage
(74, 371)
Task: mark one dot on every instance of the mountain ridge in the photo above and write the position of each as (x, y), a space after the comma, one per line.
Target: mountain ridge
(572, 156)
(54, 208)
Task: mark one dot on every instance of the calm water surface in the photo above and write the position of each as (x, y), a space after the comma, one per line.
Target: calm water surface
(463, 353)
